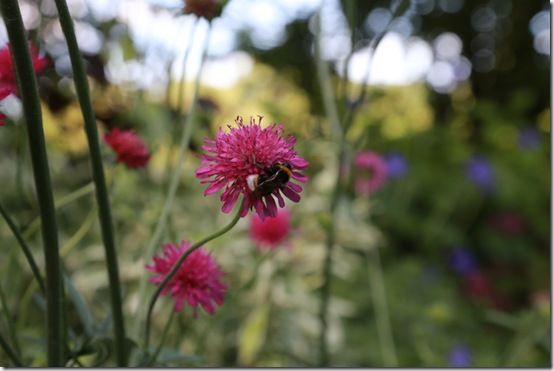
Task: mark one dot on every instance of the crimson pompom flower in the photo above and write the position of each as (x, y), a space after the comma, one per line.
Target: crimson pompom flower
(270, 232)
(257, 162)
(372, 172)
(128, 146)
(196, 283)
(8, 82)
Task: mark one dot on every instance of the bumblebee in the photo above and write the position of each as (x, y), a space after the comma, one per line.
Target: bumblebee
(272, 178)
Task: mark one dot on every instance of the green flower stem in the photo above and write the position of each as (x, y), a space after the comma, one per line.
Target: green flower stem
(379, 298)
(162, 340)
(11, 354)
(104, 211)
(178, 264)
(332, 115)
(10, 323)
(26, 249)
(33, 117)
(173, 185)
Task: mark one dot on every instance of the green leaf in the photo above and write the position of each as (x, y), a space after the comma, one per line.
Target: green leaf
(252, 334)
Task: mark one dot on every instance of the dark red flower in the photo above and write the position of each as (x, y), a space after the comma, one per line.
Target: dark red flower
(204, 8)
(508, 223)
(8, 82)
(129, 147)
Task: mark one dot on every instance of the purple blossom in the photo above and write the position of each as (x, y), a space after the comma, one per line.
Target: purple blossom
(528, 138)
(459, 356)
(481, 173)
(462, 261)
(397, 164)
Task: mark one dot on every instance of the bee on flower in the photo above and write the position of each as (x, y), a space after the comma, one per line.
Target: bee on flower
(256, 162)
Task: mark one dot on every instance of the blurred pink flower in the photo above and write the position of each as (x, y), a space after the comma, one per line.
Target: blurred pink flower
(508, 223)
(8, 82)
(270, 232)
(372, 172)
(128, 146)
(247, 151)
(196, 283)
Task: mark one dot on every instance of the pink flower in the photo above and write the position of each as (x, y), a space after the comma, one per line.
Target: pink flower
(268, 233)
(8, 82)
(372, 172)
(129, 147)
(255, 162)
(196, 283)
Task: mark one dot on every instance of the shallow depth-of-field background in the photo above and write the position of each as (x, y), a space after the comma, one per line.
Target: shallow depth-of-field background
(445, 263)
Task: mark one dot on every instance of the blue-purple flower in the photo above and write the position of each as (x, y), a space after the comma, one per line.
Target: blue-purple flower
(528, 138)
(397, 165)
(462, 261)
(481, 173)
(459, 356)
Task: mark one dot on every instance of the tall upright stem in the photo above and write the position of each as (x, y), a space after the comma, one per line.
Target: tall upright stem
(35, 132)
(337, 130)
(104, 210)
(173, 185)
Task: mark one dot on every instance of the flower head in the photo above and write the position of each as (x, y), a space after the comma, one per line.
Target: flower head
(268, 233)
(481, 173)
(8, 82)
(204, 8)
(372, 173)
(397, 165)
(459, 356)
(462, 261)
(247, 156)
(196, 283)
(129, 147)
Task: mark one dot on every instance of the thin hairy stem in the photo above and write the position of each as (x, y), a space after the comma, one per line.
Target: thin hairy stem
(176, 267)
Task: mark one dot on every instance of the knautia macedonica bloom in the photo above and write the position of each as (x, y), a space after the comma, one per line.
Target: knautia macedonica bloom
(256, 162)
(128, 146)
(197, 283)
(270, 232)
(372, 172)
(8, 82)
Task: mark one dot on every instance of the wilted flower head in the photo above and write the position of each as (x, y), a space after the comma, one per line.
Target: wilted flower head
(397, 165)
(246, 160)
(268, 233)
(8, 82)
(462, 260)
(372, 172)
(196, 283)
(204, 8)
(459, 356)
(128, 146)
(480, 172)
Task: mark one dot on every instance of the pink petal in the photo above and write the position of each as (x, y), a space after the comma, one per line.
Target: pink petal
(291, 195)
